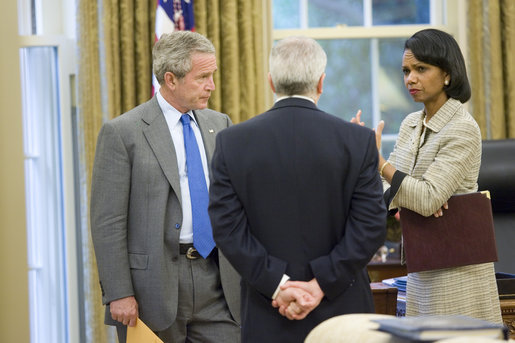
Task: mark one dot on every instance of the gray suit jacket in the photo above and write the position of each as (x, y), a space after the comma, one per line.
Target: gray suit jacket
(136, 213)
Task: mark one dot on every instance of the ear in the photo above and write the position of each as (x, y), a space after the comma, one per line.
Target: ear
(271, 83)
(447, 77)
(170, 80)
(320, 85)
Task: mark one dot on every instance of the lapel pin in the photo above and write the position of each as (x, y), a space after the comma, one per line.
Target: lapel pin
(211, 131)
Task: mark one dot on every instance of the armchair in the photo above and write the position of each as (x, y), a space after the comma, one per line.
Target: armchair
(497, 174)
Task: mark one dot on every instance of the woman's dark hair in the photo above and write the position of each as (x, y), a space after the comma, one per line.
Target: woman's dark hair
(440, 49)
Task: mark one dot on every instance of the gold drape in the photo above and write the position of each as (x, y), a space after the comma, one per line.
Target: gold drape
(128, 38)
(115, 38)
(238, 31)
(89, 106)
(115, 75)
(491, 35)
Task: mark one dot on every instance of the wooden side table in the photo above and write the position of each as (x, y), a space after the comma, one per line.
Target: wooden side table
(508, 315)
(379, 271)
(385, 298)
(506, 288)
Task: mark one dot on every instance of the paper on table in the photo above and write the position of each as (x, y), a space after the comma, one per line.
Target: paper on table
(141, 333)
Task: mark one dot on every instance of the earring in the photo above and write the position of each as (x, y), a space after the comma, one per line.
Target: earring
(446, 82)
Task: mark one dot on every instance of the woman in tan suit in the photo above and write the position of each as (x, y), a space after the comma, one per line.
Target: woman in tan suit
(437, 155)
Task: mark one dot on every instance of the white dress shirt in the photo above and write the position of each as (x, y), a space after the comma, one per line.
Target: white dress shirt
(173, 119)
(294, 96)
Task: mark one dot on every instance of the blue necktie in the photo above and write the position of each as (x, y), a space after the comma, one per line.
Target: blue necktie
(202, 234)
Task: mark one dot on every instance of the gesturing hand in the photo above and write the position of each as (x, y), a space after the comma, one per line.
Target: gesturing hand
(125, 310)
(357, 119)
(378, 130)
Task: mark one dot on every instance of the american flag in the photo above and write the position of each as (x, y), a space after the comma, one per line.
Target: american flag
(172, 15)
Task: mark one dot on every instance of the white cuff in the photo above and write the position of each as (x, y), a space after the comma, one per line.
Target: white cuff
(283, 281)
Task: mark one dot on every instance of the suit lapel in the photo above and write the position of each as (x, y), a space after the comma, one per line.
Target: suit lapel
(158, 136)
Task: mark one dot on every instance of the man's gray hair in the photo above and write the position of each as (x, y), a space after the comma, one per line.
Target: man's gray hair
(173, 51)
(296, 65)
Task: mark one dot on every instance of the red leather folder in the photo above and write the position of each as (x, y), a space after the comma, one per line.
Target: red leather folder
(464, 235)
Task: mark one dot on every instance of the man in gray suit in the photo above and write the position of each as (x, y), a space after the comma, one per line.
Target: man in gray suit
(144, 211)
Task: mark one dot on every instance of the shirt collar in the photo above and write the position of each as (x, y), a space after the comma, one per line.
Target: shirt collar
(294, 96)
(169, 110)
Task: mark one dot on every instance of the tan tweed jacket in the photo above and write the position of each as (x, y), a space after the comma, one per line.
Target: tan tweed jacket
(441, 158)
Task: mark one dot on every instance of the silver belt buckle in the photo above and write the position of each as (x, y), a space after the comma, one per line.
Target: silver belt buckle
(190, 252)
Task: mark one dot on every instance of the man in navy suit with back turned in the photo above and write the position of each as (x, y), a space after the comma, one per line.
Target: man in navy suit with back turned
(296, 204)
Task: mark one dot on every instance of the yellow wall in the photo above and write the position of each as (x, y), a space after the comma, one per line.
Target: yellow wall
(14, 308)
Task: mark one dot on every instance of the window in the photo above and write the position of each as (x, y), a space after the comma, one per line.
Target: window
(46, 63)
(43, 169)
(364, 41)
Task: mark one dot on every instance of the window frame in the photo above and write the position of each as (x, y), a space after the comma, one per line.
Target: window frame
(52, 24)
(449, 21)
(66, 200)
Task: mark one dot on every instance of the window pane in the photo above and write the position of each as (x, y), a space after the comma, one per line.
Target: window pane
(396, 12)
(395, 101)
(361, 73)
(286, 14)
(328, 13)
(387, 147)
(347, 83)
(43, 178)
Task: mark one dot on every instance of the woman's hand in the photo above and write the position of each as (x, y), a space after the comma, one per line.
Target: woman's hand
(378, 130)
(439, 212)
(357, 119)
(379, 134)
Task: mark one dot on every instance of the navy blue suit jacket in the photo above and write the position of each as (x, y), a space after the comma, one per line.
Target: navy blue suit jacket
(296, 191)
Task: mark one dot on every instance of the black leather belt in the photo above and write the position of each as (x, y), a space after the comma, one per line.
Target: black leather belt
(190, 251)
